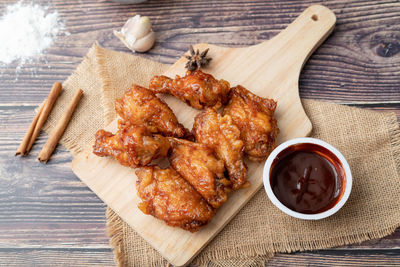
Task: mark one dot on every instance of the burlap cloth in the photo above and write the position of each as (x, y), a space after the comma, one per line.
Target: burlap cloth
(369, 140)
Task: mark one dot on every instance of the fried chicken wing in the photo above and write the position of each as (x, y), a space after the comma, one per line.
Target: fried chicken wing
(197, 89)
(132, 146)
(197, 165)
(140, 106)
(219, 133)
(169, 197)
(254, 117)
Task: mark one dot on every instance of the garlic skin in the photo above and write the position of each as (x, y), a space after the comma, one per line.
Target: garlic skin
(137, 34)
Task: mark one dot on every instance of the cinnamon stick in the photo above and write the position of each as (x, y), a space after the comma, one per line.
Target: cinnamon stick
(48, 105)
(58, 131)
(22, 147)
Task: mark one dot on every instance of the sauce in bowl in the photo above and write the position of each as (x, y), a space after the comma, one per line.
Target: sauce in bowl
(307, 178)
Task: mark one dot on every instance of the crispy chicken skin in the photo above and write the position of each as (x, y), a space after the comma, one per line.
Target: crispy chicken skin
(140, 106)
(169, 197)
(197, 89)
(254, 117)
(132, 146)
(219, 133)
(198, 165)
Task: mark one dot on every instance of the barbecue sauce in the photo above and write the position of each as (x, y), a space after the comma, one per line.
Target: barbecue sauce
(307, 178)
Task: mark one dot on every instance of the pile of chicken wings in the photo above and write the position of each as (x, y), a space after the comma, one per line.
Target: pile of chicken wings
(206, 163)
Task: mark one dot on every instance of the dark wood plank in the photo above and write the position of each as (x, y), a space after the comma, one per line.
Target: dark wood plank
(389, 242)
(103, 257)
(48, 206)
(338, 258)
(56, 257)
(43, 205)
(349, 67)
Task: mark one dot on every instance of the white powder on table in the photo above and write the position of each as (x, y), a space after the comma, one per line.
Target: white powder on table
(26, 30)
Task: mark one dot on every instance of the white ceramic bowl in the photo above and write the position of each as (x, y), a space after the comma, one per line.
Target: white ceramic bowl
(267, 184)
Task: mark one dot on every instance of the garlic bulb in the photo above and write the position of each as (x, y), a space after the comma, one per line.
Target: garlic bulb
(137, 34)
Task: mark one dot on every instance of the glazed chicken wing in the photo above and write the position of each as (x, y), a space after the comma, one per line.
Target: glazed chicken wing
(140, 106)
(197, 89)
(167, 196)
(132, 146)
(198, 165)
(254, 116)
(219, 133)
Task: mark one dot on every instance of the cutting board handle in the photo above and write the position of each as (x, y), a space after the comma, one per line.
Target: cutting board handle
(299, 40)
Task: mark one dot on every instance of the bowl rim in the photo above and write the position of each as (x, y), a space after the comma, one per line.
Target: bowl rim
(276, 201)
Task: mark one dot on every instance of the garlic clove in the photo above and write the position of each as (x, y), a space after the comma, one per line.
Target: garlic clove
(145, 43)
(136, 34)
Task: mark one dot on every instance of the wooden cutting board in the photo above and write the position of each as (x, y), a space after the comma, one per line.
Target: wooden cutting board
(270, 69)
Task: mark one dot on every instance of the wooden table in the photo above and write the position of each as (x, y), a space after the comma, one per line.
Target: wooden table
(49, 218)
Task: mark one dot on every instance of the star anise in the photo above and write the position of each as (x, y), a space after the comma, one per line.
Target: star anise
(196, 60)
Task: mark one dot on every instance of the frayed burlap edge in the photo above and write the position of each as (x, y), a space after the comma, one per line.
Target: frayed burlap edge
(258, 261)
(266, 252)
(108, 110)
(116, 235)
(394, 132)
(263, 249)
(260, 255)
(115, 232)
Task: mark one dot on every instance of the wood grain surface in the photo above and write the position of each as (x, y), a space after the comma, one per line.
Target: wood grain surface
(49, 218)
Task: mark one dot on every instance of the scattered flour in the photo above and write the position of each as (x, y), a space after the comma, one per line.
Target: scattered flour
(26, 30)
